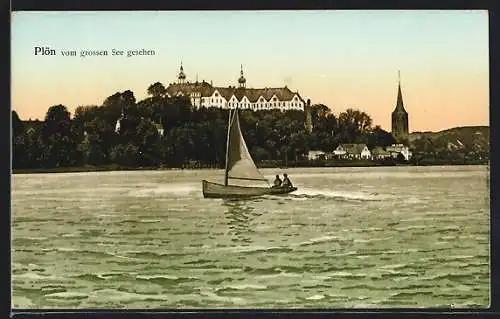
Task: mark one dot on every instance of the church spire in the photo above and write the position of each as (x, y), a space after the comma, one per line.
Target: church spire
(399, 103)
(242, 81)
(399, 118)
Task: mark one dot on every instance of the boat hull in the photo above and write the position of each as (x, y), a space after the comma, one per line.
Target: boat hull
(214, 190)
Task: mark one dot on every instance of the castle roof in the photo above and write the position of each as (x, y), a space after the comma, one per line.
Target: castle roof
(205, 89)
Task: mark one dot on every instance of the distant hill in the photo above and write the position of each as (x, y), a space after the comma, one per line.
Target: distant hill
(475, 138)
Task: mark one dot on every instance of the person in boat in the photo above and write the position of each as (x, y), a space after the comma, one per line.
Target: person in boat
(277, 182)
(286, 182)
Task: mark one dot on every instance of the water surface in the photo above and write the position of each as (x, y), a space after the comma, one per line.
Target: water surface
(349, 237)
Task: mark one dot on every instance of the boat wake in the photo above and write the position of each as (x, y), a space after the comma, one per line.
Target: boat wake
(317, 193)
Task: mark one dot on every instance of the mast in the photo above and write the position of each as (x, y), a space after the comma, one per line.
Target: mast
(227, 150)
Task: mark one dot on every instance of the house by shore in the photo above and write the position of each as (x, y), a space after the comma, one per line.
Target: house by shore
(352, 151)
(359, 151)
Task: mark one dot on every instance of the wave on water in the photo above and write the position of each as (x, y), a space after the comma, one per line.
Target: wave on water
(88, 253)
(167, 189)
(316, 297)
(70, 190)
(162, 279)
(35, 276)
(67, 295)
(149, 221)
(124, 296)
(236, 287)
(346, 275)
(321, 239)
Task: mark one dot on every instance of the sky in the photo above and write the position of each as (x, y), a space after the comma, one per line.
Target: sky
(343, 59)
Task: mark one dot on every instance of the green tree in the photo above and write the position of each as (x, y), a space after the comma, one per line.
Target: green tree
(129, 124)
(20, 151)
(99, 140)
(19, 144)
(149, 144)
(17, 125)
(326, 132)
(175, 112)
(35, 146)
(354, 125)
(259, 153)
(157, 90)
(153, 108)
(125, 155)
(179, 145)
(379, 137)
(319, 111)
(83, 115)
(114, 105)
(60, 146)
(128, 98)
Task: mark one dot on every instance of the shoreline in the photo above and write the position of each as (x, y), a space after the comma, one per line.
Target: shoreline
(85, 169)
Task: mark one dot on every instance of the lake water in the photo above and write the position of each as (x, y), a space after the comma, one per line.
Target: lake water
(349, 237)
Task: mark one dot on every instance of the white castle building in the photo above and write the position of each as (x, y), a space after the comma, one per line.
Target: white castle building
(203, 94)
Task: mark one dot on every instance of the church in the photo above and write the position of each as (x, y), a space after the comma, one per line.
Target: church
(399, 129)
(204, 94)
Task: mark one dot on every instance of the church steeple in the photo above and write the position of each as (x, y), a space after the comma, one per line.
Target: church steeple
(399, 102)
(400, 117)
(242, 81)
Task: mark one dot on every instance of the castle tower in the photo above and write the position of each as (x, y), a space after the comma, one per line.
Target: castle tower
(400, 118)
(181, 77)
(308, 122)
(242, 81)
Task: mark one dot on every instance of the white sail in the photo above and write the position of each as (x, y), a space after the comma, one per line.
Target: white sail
(240, 164)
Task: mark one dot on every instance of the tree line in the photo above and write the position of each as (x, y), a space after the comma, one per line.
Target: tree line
(189, 134)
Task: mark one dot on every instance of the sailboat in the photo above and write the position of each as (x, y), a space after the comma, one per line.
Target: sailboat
(239, 166)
